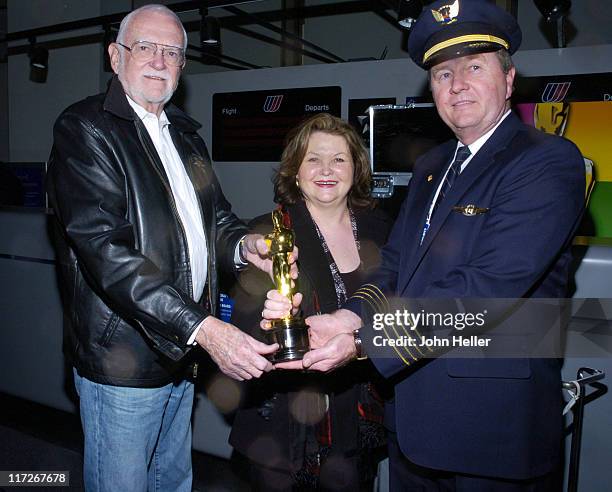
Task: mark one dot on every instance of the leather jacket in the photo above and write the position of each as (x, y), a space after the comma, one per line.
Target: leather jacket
(121, 249)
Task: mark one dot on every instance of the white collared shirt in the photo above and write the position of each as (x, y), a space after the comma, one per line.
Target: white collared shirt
(476, 145)
(183, 193)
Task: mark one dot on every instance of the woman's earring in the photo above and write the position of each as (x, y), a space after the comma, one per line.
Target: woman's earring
(297, 182)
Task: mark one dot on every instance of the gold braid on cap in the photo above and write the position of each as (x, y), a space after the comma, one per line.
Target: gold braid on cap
(463, 39)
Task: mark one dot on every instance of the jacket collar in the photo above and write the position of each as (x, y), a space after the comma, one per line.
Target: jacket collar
(486, 158)
(117, 104)
(432, 165)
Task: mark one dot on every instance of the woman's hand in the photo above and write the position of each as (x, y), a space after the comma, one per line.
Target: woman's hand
(277, 306)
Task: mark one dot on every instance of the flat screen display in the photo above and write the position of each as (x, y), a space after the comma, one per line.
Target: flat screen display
(400, 134)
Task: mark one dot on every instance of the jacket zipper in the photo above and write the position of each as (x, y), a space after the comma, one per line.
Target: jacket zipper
(176, 215)
(188, 169)
(172, 202)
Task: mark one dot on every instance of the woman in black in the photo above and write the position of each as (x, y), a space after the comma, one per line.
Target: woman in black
(303, 431)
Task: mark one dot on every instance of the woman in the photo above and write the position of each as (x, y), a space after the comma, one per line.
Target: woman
(299, 430)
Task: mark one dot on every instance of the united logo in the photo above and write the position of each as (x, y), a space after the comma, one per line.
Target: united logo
(272, 103)
(555, 91)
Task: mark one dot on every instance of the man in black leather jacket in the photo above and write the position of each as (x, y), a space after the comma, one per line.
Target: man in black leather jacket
(142, 227)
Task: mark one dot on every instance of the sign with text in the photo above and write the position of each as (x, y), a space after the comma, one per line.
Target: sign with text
(22, 184)
(252, 126)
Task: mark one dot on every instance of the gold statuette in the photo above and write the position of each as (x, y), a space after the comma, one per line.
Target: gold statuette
(290, 332)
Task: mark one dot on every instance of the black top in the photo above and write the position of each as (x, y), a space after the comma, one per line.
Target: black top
(352, 280)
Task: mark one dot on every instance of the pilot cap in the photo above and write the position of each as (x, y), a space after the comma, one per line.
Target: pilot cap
(450, 29)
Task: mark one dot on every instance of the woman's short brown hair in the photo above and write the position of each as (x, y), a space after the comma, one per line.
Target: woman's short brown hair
(286, 191)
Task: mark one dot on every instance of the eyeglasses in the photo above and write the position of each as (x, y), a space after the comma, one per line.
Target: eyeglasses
(145, 51)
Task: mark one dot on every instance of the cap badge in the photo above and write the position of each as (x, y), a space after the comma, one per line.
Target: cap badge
(446, 14)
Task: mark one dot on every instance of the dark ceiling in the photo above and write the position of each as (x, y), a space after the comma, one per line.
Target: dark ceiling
(281, 27)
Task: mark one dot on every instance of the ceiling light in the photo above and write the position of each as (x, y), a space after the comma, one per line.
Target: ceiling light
(408, 12)
(553, 9)
(39, 58)
(210, 32)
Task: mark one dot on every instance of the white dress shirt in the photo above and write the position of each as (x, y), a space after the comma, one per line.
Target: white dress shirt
(183, 193)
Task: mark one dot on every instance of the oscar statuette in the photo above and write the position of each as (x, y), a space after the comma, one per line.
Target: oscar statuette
(290, 332)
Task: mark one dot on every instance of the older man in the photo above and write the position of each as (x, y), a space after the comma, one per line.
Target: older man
(490, 215)
(142, 228)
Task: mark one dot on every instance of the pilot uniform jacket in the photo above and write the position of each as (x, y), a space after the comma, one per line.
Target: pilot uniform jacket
(488, 417)
(122, 252)
(267, 429)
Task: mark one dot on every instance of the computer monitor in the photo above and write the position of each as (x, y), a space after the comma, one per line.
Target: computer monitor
(397, 135)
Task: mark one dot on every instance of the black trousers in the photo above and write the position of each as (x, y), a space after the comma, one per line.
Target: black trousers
(406, 476)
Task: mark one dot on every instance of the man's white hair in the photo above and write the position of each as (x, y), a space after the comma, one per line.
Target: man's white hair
(124, 27)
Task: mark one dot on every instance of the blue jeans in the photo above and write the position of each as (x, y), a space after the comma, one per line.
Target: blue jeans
(136, 439)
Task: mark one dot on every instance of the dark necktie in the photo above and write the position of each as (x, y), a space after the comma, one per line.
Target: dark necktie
(455, 169)
(463, 153)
